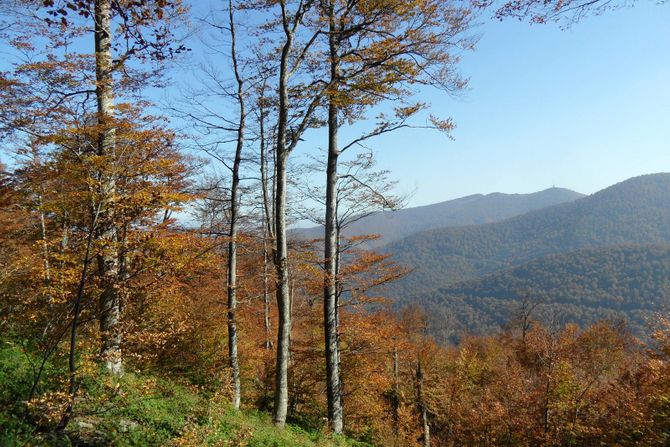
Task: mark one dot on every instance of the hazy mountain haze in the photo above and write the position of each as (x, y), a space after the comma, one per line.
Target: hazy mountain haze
(471, 210)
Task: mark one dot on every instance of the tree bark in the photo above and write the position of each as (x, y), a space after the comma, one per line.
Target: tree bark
(109, 304)
(266, 299)
(283, 148)
(234, 224)
(268, 231)
(331, 236)
(283, 298)
(281, 247)
(396, 396)
(423, 409)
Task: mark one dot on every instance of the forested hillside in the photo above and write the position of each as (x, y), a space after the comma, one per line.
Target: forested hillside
(636, 211)
(584, 286)
(153, 157)
(471, 210)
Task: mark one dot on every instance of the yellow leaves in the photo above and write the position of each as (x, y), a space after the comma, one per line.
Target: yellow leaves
(444, 125)
(408, 111)
(48, 408)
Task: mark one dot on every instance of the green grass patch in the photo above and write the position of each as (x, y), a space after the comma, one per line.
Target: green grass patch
(139, 409)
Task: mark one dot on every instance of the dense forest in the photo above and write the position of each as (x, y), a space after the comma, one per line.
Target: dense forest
(151, 294)
(628, 283)
(636, 211)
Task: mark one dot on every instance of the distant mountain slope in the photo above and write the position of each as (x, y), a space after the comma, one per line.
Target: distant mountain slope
(581, 286)
(636, 211)
(470, 210)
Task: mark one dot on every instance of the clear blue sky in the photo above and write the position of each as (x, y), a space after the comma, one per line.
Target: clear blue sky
(581, 108)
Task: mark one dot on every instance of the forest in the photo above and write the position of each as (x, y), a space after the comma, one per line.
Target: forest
(622, 282)
(152, 293)
(633, 212)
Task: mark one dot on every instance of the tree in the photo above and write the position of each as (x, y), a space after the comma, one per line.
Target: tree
(60, 182)
(291, 58)
(376, 52)
(123, 32)
(567, 11)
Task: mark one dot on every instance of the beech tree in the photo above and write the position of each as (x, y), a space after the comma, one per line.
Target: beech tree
(123, 34)
(61, 188)
(377, 52)
(293, 119)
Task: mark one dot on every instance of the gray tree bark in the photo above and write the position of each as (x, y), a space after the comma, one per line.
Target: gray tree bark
(281, 247)
(284, 147)
(283, 298)
(234, 224)
(266, 299)
(109, 303)
(423, 409)
(268, 230)
(333, 386)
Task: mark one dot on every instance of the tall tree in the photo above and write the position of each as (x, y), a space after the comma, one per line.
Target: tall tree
(376, 52)
(293, 54)
(145, 30)
(108, 260)
(234, 216)
(208, 105)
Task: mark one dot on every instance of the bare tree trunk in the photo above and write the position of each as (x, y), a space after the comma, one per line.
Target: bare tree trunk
(283, 149)
(423, 410)
(330, 281)
(281, 247)
(283, 298)
(72, 367)
(545, 409)
(266, 299)
(234, 223)
(268, 233)
(330, 292)
(109, 305)
(396, 395)
(45, 245)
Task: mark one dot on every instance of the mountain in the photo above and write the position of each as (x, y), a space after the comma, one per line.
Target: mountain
(470, 210)
(583, 286)
(636, 211)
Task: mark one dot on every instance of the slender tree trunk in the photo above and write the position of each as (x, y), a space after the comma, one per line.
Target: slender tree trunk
(283, 149)
(281, 247)
(234, 223)
(266, 299)
(423, 409)
(545, 410)
(330, 281)
(283, 298)
(72, 367)
(45, 246)
(268, 232)
(109, 305)
(232, 297)
(396, 395)
(334, 391)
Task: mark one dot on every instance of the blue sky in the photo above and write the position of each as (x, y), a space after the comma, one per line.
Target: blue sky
(581, 108)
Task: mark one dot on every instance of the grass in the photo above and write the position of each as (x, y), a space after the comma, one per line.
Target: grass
(137, 410)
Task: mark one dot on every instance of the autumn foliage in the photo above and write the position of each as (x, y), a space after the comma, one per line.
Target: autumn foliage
(107, 201)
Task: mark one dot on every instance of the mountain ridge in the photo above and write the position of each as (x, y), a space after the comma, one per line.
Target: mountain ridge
(635, 211)
(467, 210)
